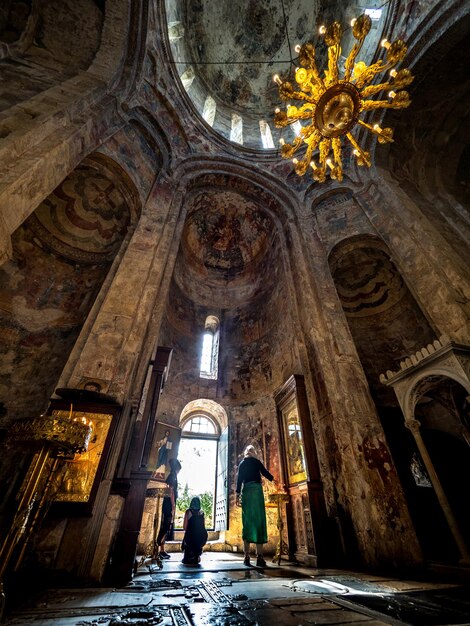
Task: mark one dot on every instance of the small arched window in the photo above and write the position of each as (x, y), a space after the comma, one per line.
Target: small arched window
(200, 425)
(210, 349)
(236, 132)
(266, 136)
(210, 108)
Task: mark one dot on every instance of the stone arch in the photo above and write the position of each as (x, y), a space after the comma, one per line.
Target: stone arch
(60, 37)
(196, 173)
(430, 154)
(385, 322)
(204, 406)
(439, 422)
(59, 95)
(253, 266)
(371, 287)
(422, 382)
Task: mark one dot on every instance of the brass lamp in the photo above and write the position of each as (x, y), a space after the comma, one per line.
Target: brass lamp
(331, 105)
(50, 436)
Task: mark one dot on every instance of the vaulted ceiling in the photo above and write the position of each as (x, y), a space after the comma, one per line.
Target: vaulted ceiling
(228, 52)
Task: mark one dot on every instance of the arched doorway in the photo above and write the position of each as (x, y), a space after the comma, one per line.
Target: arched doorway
(444, 427)
(203, 452)
(436, 410)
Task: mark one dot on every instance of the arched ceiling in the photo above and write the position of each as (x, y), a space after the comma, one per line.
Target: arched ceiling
(367, 282)
(230, 51)
(226, 244)
(85, 218)
(431, 145)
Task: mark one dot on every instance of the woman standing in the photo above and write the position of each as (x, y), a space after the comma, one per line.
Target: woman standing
(250, 497)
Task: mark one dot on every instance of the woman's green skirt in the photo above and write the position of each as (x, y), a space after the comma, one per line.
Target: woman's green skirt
(254, 514)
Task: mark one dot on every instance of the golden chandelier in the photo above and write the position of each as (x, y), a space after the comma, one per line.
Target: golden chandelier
(332, 105)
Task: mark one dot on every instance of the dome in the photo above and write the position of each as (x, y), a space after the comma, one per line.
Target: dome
(226, 54)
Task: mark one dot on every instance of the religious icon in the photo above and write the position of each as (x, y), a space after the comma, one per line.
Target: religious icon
(419, 473)
(294, 444)
(166, 447)
(76, 478)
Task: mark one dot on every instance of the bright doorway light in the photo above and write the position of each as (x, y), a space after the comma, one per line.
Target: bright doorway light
(197, 477)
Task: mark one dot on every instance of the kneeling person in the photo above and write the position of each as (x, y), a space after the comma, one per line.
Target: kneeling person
(195, 536)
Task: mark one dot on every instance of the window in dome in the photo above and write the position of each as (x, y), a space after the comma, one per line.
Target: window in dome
(374, 14)
(210, 349)
(187, 78)
(236, 134)
(208, 113)
(266, 136)
(175, 31)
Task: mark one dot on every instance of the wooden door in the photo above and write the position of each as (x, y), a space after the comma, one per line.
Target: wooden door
(221, 498)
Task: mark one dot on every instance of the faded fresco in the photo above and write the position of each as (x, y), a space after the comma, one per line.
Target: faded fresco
(385, 320)
(61, 256)
(229, 236)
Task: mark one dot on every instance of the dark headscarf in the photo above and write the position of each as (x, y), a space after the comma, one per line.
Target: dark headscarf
(195, 504)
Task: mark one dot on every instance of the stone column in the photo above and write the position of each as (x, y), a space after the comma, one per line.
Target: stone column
(126, 326)
(414, 426)
(363, 481)
(138, 291)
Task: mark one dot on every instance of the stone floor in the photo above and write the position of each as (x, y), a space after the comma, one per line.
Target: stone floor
(222, 591)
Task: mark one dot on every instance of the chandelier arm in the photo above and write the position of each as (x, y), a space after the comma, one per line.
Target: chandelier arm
(324, 150)
(289, 149)
(294, 114)
(374, 131)
(373, 89)
(302, 165)
(360, 154)
(318, 79)
(368, 74)
(282, 122)
(310, 133)
(338, 170)
(300, 95)
(336, 145)
(373, 105)
(333, 56)
(312, 142)
(286, 92)
(348, 66)
(396, 84)
(384, 134)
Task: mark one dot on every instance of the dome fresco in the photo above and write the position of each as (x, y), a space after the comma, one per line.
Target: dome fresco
(226, 54)
(227, 241)
(227, 234)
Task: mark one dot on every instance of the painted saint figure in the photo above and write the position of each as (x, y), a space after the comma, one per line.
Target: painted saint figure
(164, 447)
